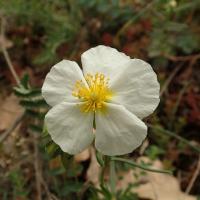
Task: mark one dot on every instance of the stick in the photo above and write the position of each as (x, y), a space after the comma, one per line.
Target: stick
(6, 55)
(37, 170)
(182, 58)
(12, 128)
(194, 177)
(168, 81)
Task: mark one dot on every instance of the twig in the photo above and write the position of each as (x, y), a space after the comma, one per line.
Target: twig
(11, 128)
(6, 55)
(134, 18)
(144, 146)
(82, 36)
(18, 164)
(50, 196)
(192, 60)
(168, 81)
(194, 177)
(85, 186)
(182, 58)
(180, 96)
(37, 170)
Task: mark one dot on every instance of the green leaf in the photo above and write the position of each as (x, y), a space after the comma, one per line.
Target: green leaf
(25, 81)
(154, 151)
(35, 114)
(106, 193)
(66, 159)
(53, 149)
(33, 103)
(71, 187)
(100, 158)
(35, 128)
(26, 93)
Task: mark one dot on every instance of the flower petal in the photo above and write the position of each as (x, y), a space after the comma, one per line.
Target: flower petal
(136, 87)
(103, 59)
(60, 81)
(69, 128)
(118, 131)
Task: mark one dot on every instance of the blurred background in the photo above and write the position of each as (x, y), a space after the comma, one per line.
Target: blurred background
(37, 34)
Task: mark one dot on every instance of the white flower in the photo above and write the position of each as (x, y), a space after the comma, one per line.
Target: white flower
(113, 90)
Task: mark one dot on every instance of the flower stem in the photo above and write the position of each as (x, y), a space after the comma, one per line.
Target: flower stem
(112, 177)
(102, 175)
(140, 166)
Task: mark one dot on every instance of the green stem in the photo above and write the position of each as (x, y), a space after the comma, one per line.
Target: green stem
(141, 166)
(183, 140)
(112, 177)
(102, 175)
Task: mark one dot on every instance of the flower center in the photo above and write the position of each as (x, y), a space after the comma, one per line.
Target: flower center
(94, 96)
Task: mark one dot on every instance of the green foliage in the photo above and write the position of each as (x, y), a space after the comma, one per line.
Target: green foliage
(103, 191)
(111, 13)
(33, 103)
(70, 187)
(65, 187)
(171, 32)
(169, 37)
(58, 22)
(153, 152)
(18, 185)
(73, 169)
(127, 194)
(54, 20)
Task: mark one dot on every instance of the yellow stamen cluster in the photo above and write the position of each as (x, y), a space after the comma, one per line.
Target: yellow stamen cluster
(95, 95)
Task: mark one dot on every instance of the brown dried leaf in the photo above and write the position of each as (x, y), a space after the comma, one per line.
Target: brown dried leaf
(83, 156)
(5, 42)
(94, 169)
(10, 111)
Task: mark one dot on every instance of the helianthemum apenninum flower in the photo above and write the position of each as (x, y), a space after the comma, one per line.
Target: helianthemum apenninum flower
(113, 90)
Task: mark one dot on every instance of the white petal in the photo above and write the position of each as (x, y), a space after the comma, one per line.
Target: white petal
(60, 81)
(118, 131)
(69, 128)
(103, 59)
(136, 87)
